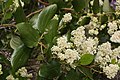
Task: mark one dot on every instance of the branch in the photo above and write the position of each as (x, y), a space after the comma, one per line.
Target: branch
(67, 9)
(33, 13)
(7, 25)
(97, 71)
(43, 2)
(40, 43)
(13, 25)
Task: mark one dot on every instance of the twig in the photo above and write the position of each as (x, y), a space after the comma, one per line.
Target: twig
(67, 9)
(84, 73)
(43, 2)
(13, 25)
(7, 25)
(97, 71)
(33, 13)
(40, 43)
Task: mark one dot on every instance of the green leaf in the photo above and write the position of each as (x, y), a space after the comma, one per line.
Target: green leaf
(103, 19)
(20, 57)
(85, 21)
(28, 35)
(78, 5)
(45, 17)
(86, 59)
(33, 21)
(19, 15)
(107, 7)
(96, 6)
(52, 28)
(87, 72)
(50, 70)
(15, 42)
(113, 61)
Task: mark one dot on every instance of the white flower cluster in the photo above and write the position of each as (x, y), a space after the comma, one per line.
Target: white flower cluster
(10, 77)
(93, 26)
(111, 70)
(102, 26)
(78, 36)
(71, 56)
(116, 53)
(71, 51)
(23, 73)
(118, 5)
(116, 37)
(63, 51)
(67, 17)
(104, 54)
(1, 69)
(104, 57)
(56, 17)
(112, 27)
(83, 44)
(83, 40)
(113, 31)
(16, 2)
(89, 46)
(118, 23)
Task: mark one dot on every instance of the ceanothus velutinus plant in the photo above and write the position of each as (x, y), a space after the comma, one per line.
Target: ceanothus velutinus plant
(73, 40)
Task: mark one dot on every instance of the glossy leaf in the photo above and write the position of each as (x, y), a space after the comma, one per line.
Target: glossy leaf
(45, 17)
(28, 35)
(20, 57)
(15, 42)
(86, 59)
(52, 28)
(33, 21)
(85, 21)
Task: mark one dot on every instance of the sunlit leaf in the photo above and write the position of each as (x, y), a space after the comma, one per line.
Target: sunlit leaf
(86, 59)
(45, 17)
